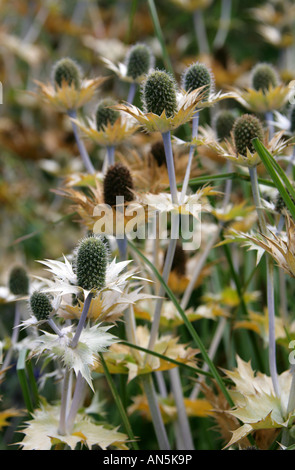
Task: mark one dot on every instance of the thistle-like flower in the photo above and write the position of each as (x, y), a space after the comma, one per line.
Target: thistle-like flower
(223, 124)
(18, 281)
(196, 76)
(68, 90)
(263, 77)
(41, 306)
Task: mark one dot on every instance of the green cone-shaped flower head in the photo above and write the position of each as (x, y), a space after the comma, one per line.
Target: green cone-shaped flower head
(118, 183)
(18, 281)
(159, 93)
(105, 114)
(263, 77)
(195, 76)
(139, 61)
(40, 305)
(224, 122)
(91, 263)
(245, 129)
(67, 71)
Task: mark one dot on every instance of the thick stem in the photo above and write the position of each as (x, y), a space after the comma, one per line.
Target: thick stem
(54, 327)
(269, 120)
(82, 320)
(159, 427)
(170, 165)
(182, 418)
(76, 402)
(62, 430)
(82, 149)
(195, 128)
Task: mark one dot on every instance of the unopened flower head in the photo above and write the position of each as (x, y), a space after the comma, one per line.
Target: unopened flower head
(105, 114)
(18, 281)
(67, 71)
(196, 76)
(223, 123)
(159, 93)
(139, 61)
(264, 76)
(91, 263)
(245, 129)
(117, 183)
(41, 305)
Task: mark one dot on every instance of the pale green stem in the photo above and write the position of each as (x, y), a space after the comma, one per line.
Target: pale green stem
(270, 285)
(82, 320)
(200, 32)
(54, 327)
(170, 165)
(82, 149)
(195, 128)
(159, 427)
(182, 418)
(62, 430)
(269, 120)
(76, 402)
(224, 24)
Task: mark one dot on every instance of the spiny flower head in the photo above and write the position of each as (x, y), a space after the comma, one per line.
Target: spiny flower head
(139, 61)
(105, 113)
(264, 76)
(117, 183)
(196, 76)
(91, 259)
(245, 129)
(18, 281)
(41, 305)
(159, 93)
(67, 71)
(223, 124)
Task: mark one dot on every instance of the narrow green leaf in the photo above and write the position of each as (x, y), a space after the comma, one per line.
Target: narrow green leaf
(160, 36)
(22, 376)
(119, 404)
(271, 167)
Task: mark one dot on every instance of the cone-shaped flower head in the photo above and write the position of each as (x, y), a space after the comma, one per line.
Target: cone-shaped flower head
(105, 113)
(159, 93)
(40, 305)
(18, 281)
(292, 119)
(91, 263)
(67, 71)
(245, 129)
(117, 183)
(195, 76)
(224, 122)
(139, 61)
(263, 77)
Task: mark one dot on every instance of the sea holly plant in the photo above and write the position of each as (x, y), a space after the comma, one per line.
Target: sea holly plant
(91, 277)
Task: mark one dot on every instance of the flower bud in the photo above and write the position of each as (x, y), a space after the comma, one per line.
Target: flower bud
(159, 93)
(67, 71)
(40, 305)
(18, 281)
(223, 124)
(139, 61)
(245, 129)
(195, 76)
(117, 182)
(91, 263)
(105, 114)
(263, 77)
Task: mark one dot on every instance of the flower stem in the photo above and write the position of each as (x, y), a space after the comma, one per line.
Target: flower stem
(111, 154)
(76, 402)
(159, 427)
(64, 403)
(170, 165)
(54, 327)
(82, 149)
(200, 32)
(195, 128)
(131, 93)
(82, 320)
(14, 336)
(270, 285)
(224, 24)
